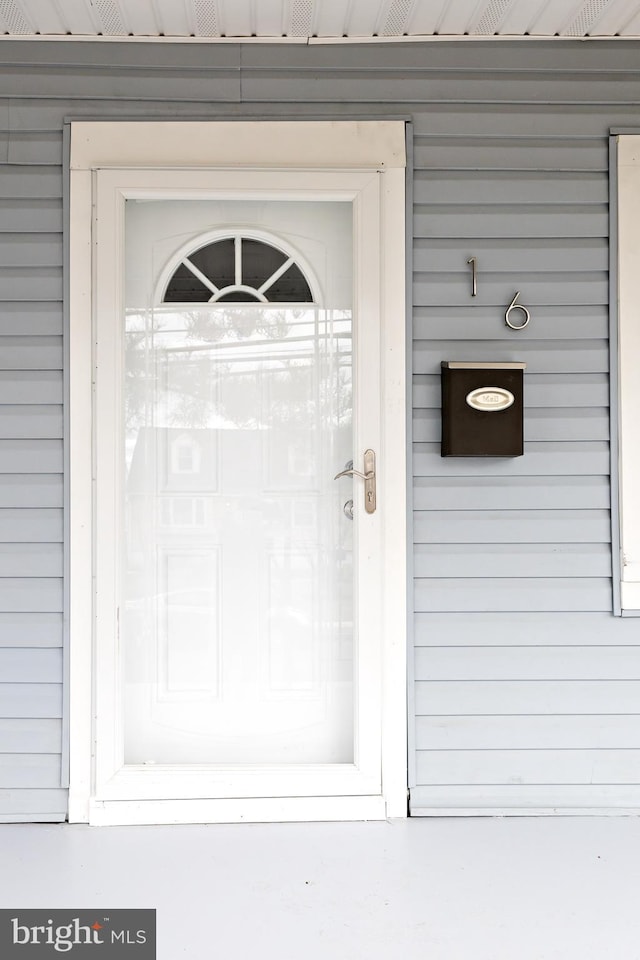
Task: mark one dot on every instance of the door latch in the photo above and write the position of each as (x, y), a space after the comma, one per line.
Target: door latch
(369, 477)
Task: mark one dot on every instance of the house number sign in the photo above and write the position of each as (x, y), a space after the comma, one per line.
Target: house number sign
(511, 317)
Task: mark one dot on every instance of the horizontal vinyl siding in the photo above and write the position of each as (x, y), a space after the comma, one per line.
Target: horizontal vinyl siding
(569, 560)
(532, 732)
(526, 686)
(30, 629)
(28, 805)
(31, 474)
(512, 559)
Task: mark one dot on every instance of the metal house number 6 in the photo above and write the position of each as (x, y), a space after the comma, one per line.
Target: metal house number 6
(513, 306)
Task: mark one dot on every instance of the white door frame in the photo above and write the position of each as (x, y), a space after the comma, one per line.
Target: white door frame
(339, 158)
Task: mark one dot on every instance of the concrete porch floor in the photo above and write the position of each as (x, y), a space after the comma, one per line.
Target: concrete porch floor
(446, 889)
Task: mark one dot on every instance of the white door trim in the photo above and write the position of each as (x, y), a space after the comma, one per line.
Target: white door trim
(322, 147)
(628, 210)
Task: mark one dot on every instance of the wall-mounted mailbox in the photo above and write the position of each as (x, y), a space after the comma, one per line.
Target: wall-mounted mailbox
(482, 409)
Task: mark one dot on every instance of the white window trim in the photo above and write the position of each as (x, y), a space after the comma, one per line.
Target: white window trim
(340, 146)
(628, 208)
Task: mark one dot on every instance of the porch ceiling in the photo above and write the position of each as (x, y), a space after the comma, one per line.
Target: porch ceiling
(318, 20)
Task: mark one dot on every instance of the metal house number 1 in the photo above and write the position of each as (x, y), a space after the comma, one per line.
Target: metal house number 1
(473, 261)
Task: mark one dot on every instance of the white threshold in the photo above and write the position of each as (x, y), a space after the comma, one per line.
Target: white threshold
(242, 810)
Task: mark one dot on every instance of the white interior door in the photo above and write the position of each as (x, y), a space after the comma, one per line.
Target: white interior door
(246, 607)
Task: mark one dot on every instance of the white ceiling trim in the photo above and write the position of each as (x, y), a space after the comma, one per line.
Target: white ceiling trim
(311, 41)
(318, 21)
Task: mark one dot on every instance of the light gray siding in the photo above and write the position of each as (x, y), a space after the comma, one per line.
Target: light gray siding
(31, 475)
(508, 718)
(527, 688)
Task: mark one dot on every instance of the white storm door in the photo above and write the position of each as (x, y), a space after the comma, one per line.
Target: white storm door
(239, 609)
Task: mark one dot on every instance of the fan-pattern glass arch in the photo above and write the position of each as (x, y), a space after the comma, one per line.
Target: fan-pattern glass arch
(238, 269)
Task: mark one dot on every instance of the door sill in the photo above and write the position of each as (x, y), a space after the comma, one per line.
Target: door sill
(243, 810)
(182, 782)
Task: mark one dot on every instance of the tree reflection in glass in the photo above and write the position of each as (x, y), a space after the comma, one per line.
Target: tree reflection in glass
(239, 557)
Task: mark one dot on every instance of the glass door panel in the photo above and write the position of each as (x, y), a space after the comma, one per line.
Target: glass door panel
(237, 576)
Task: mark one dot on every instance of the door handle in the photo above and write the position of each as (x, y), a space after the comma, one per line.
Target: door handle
(369, 477)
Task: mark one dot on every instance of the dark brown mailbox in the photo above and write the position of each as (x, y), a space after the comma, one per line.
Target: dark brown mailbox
(482, 409)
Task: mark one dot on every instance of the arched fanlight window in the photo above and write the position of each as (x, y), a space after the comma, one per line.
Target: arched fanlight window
(238, 269)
